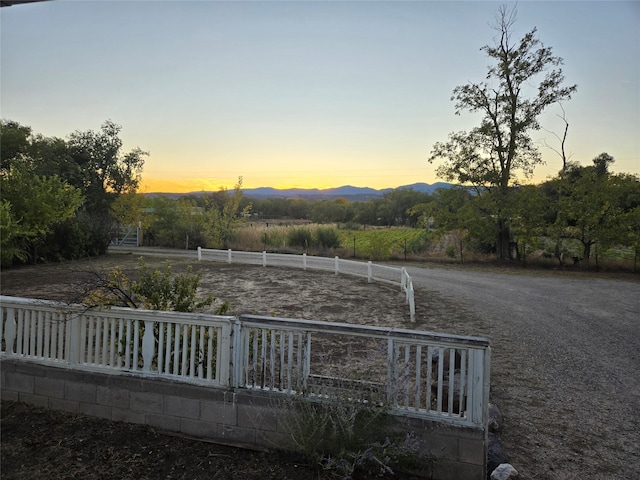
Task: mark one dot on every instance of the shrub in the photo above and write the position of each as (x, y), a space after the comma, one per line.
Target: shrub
(451, 251)
(300, 237)
(154, 289)
(327, 237)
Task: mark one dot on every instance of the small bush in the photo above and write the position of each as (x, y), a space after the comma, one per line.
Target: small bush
(300, 237)
(327, 238)
(451, 251)
(154, 289)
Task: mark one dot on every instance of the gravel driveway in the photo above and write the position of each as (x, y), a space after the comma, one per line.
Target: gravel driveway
(565, 366)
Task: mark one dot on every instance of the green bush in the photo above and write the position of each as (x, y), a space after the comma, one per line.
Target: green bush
(327, 237)
(451, 251)
(300, 237)
(154, 290)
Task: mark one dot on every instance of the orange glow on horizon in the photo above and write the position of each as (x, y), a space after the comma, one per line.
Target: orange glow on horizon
(187, 185)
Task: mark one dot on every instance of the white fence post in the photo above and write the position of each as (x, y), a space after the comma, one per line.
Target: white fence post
(229, 255)
(75, 343)
(412, 304)
(369, 271)
(264, 258)
(337, 260)
(10, 330)
(391, 373)
(148, 346)
(199, 254)
(304, 261)
(476, 385)
(233, 355)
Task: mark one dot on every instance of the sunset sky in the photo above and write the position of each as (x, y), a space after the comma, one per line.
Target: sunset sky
(305, 94)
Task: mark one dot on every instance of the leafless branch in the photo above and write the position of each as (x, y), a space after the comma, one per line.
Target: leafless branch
(563, 140)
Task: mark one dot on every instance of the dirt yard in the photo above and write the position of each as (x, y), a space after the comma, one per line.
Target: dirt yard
(44, 444)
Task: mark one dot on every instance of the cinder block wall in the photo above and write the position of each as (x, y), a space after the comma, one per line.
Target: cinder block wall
(238, 417)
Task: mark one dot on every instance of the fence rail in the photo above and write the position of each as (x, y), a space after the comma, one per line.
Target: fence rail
(370, 271)
(444, 377)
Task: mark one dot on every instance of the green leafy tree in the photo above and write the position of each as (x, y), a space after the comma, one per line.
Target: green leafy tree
(223, 220)
(11, 236)
(631, 219)
(178, 223)
(595, 207)
(32, 206)
(528, 222)
(14, 143)
(523, 81)
(106, 170)
(91, 162)
(450, 213)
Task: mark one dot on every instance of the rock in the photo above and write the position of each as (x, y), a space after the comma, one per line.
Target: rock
(496, 454)
(504, 471)
(495, 419)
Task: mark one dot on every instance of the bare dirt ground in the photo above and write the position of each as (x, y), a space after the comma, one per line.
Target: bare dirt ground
(565, 360)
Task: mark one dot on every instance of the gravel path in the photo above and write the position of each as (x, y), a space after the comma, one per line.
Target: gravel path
(565, 367)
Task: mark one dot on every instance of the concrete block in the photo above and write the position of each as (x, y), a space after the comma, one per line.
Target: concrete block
(199, 428)
(146, 402)
(80, 392)
(19, 382)
(126, 415)
(33, 369)
(238, 434)
(471, 450)
(113, 397)
(94, 410)
(63, 405)
(9, 395)
(445, 469)
(224, 413)
(164, 422)
(181, 407)
(49, 387)
(37, 400)
(257, 417)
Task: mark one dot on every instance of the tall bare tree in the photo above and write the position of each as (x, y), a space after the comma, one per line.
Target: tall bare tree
(524, 79)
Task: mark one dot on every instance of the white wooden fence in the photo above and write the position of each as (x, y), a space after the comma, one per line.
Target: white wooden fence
(370, 271)
(443, 377)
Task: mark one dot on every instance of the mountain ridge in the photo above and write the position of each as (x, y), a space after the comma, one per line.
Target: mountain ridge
(348, 192)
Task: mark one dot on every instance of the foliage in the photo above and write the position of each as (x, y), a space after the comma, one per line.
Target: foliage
(326, 238)
(224, 218)
(60, 192)
(11, 247)
(32, 206)
(106, 171)
(522, 83)
(346, 432)
(382, 244)
(300, 237)
(153, 289)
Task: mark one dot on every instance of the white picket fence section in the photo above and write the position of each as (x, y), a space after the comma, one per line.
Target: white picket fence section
(442, 377)
(370, 271)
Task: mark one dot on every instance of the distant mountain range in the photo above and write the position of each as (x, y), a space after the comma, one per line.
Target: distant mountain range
(347, 192)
